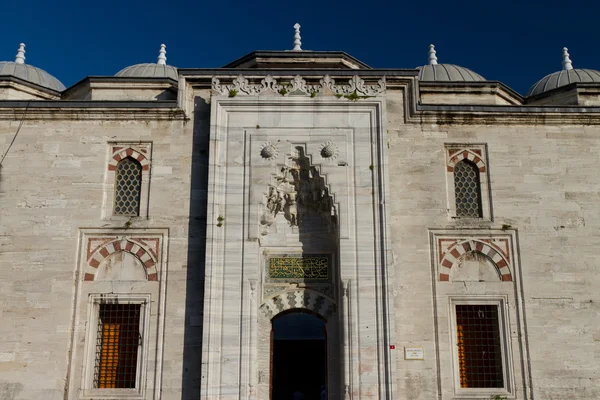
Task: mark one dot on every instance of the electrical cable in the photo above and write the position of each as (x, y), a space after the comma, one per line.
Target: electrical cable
(17, 132)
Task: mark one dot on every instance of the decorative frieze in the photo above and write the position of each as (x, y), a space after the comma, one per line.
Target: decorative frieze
(355, 86)
(298, 299)
(269, 290)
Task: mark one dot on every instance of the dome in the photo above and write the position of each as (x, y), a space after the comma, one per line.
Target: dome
(150, 70)
(446, 72)
(29, 73)
(564, 77)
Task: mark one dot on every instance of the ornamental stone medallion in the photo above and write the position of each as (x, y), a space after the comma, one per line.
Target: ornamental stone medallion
(269, 151)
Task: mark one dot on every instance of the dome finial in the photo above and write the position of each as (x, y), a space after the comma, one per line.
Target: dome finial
(20, 58)
(432, 56)
(566, 62)
(162, 58)
(297, 42)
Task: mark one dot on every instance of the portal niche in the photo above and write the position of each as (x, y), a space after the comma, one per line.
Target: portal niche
(299, 355)
(299, 341)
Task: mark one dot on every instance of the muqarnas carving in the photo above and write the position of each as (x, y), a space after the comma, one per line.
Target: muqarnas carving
(298, 191)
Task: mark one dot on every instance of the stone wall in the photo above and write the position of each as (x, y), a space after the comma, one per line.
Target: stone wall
(51, 188)
(545, 189)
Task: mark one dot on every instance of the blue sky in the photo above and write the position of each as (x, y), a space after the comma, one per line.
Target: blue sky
(516, 42)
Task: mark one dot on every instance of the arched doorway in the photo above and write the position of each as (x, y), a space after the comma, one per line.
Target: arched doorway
(298, 355)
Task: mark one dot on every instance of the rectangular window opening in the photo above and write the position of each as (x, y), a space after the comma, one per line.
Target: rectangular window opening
(118, 340)
(479, 346)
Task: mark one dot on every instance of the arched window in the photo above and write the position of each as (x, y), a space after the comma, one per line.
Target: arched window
(467, 189)
(128, 184)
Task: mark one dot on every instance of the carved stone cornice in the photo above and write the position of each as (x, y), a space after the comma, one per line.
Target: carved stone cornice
(503, 115)
(62, 110)
(297, 86)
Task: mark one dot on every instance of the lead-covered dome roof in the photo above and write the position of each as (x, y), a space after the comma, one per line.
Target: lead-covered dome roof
(160, 69)
(564, 77)
(29, 73)
(434, 72)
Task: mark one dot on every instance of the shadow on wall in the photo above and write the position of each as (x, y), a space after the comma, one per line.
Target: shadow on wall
(194, 299)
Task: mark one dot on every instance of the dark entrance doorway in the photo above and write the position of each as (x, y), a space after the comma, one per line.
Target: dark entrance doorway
(298, 355)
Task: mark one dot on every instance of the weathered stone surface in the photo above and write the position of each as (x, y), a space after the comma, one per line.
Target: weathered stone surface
(386, 170)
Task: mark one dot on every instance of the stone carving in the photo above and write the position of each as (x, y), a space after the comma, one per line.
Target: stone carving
(298, 86)
(327, 84)
(306, 268)
(329, 150)
(269, 85)
(252, 283)
(269, 291)
(298, 190)
(269, 151)
(299, 298)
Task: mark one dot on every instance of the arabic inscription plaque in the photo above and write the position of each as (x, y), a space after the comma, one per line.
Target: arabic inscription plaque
(308, 268)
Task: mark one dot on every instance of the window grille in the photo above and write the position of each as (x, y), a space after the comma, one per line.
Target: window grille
(117, 341)
(467, 189)
(479, 349)
(128, 187)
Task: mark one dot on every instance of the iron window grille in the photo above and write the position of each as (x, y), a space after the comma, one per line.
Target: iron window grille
(467, 190)
(128, 187)
(118, 340)
(479, 346)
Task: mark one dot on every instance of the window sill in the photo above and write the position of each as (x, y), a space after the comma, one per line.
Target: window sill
(89, 394)
(481, 394)
(124, 218)
(470, 220)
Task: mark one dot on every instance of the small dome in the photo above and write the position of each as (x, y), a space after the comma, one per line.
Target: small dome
(150, 70)
(446, 72)
(564, 77)
(29, 73)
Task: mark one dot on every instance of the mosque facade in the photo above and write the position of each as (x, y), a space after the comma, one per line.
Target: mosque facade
(299, 225)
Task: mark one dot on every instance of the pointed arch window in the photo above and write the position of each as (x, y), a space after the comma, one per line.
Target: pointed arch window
(467, 189)
(128, 185)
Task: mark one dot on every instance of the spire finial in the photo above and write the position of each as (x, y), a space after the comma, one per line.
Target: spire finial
(432, 56)
(162, 58)
(566, 62)
(20, 58)
(297, 42)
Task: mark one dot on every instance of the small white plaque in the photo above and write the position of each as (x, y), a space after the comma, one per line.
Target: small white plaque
(413, 353)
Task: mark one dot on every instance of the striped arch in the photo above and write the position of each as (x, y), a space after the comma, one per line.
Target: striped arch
(121, 153)
(465, 154)
(455, 252)
(136, 249)
(298, 299)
